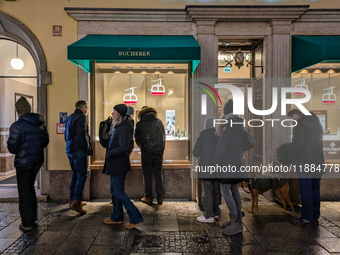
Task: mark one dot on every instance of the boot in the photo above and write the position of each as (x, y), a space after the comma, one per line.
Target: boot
(228, 223)
(76, 205)
(235, 226)
(71, 201)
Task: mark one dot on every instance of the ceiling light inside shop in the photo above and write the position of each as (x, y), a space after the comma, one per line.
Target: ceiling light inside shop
(330, 71)
(317, 71)
(115, 67)
(170, 72)
(157, 72)
(129, 67)
(171, 67)
(157, 67)
(143, 72)
(117, 72)
(130, 72)
(16, 62)
(143, 67)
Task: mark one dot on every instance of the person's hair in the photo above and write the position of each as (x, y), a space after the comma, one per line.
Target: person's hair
(294, 111)
(118, 119)
(144, 107)
(80, 104)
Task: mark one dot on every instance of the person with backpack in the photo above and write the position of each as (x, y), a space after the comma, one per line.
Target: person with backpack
(150, 138)
(117, 165)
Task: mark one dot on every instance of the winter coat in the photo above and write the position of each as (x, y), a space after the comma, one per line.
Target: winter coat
(229, 148)
(307, 146)
(205, 148)
(27, 138)
(77, 133)
(117, 160)
(146, 116)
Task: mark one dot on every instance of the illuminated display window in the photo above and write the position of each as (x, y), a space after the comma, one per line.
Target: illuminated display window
(161, 86)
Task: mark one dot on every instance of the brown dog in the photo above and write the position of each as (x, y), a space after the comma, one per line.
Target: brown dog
(261, 185)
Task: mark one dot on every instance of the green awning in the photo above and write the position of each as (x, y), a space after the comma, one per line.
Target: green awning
(131, 48)
(310, 50)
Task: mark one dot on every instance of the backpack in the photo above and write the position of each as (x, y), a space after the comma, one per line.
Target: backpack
(104, 131)
(155, 138)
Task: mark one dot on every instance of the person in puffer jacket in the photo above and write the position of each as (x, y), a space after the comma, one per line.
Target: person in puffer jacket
(27, 139)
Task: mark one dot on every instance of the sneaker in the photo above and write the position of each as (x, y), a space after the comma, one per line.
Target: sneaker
(146, 200)
(206, 220)
(217, 217)
(22, 227)
(108, 221)
(131, 226)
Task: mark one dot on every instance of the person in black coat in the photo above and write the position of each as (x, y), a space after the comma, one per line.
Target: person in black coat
(307, 148)
(78, 147)
(151, 163)
(205, 148)
(229, 153)
(117, 165)
(27, 139)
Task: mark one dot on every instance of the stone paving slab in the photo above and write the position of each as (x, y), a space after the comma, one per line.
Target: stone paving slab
(168, 229)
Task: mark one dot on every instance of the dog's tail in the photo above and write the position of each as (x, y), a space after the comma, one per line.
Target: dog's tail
(248, 192)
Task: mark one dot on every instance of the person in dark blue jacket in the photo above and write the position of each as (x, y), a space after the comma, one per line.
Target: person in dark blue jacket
(117, 165)
(27, 139)
(78, 147)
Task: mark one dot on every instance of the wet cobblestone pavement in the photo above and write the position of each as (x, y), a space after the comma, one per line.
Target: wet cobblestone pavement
(167, 229)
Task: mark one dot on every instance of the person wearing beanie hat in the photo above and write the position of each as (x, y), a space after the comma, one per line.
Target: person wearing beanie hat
(121, 109)
(27, 139)
(117, 165)
(78, 147)
(204, 149)
(22, 106)
(229, 152)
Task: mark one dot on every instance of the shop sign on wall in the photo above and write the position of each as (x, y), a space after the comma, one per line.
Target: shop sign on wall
(60, 128)
(62, 117)
(57, 30)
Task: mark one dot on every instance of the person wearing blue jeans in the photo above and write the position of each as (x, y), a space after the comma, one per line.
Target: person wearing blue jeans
(117, 165)
(78, 163)
(78, 147)
(119, 198)
(310, 199)
(307, 150)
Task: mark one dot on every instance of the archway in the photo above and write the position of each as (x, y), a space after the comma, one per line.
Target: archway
(11, 29)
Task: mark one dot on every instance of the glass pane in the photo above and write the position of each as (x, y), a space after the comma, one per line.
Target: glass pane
(161, 86)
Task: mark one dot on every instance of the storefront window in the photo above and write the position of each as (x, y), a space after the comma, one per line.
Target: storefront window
(322, 80)
(161, 86)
